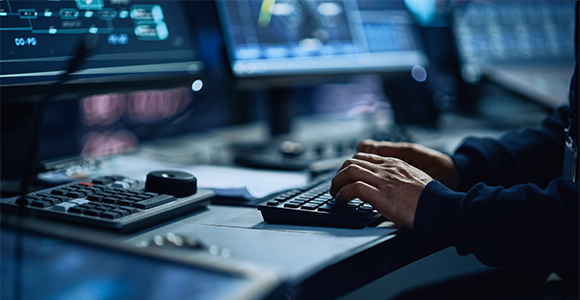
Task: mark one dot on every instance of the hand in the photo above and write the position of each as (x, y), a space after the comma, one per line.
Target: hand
(438, 165)
(390, 185)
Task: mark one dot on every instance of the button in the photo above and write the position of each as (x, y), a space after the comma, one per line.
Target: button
(282, 198)
(309, 206)
(65, 206)
(76, 210)
(40, 203)
(25, 201)
(100, 187)
(125, 202)
(122, 212)
(155, 201)
(361, 212)
(110, 215)
(366, 206)
(76, 194)
(326, 207)
(96, 198)
(59, 192)
(79, 201)
(115, 177)
(52, 200)
(272, 203)
(292, 205)
(92, 212)
(121, 185)
(131, 210)
(110, 200)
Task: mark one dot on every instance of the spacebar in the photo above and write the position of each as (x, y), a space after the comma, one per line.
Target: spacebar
(155, 201)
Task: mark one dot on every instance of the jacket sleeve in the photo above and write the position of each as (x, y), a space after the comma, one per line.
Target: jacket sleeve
(522, 227)
(533, 155)
(513, 209)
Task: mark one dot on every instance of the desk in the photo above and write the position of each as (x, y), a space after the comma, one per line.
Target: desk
(316, 262)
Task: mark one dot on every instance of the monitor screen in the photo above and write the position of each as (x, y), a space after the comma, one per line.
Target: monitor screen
(140, 45)
(312, 37)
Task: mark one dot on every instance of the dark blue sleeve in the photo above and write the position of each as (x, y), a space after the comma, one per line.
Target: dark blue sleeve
(523, 226)
(533, 155)
(514, 209)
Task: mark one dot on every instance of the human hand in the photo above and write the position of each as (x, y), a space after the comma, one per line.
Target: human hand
(390, 185)
(438, 165)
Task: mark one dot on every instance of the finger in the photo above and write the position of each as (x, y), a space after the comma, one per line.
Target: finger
(370, 158)
(361, 190)
(386, 149)
(356, 170)
(366, 146)
(360, 158)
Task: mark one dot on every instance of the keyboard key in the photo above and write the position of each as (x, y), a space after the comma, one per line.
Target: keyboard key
(96, 198)
(52, 200)
(110, 215)
(155, 201)
(92, 212)
(131, 210)
(292, 205)
(76, 210)
(76, 194)
(326, 207)
(65, 206)
(366, 206)
(122, 212)
(309, 206)
(25, 201)
(59, 192)
(115, 177)
(40, 203)
(110, 200)
(121, 184)
(361, 212)
(79, 201)
(107, 206)
(125, 202)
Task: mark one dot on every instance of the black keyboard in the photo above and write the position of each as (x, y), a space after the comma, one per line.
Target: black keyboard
(313, 205)
(108, 202)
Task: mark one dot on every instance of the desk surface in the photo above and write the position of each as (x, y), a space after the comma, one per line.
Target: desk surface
(301, 255)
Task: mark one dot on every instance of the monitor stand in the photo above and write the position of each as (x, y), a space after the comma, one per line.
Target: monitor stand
(280, 112)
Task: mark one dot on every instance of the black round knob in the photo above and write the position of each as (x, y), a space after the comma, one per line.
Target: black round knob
(176, 183)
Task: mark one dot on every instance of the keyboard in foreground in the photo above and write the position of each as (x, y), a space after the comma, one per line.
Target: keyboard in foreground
(313, 205)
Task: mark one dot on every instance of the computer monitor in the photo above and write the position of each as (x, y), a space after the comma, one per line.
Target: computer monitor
(137, 45)
(140, 45)
(524, 46)
(277, 45)
(307, 38)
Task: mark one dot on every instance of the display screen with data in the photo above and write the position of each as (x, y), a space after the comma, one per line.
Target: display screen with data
(301, 37)
(136, 42)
